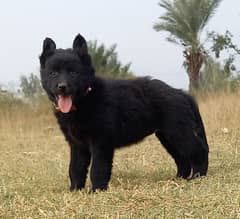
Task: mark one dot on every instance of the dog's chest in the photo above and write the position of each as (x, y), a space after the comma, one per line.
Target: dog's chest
(79, 131)
(76, 130)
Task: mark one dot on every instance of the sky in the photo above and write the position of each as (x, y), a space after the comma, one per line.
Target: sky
(128, 23)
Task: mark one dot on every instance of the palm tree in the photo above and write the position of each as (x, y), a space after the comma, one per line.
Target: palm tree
(185, 21)
(106, 63)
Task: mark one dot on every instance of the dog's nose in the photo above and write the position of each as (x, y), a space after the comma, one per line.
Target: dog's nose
(62, 87)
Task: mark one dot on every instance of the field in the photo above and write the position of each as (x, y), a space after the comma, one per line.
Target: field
(34, 171)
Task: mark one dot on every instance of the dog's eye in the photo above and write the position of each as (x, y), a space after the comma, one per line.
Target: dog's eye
(74, 73)
(53, 73)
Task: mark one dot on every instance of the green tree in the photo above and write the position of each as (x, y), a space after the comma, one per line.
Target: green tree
(213, 77)
(106, 63)
(220, 75)
(216, 76)
(224, 42)
(185, 20)
(31, 86)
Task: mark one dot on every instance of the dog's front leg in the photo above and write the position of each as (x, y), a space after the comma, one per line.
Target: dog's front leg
(78, 168)
(102, 158)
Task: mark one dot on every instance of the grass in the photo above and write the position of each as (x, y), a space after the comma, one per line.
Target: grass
(34, 171)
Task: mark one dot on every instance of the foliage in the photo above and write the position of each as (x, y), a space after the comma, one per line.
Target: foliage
(222, 42)
(216, 77)
(31, 86)
(220, 75)
(106, 63)
(185, 20)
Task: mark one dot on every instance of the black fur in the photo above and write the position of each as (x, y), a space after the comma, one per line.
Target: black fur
(116, 113)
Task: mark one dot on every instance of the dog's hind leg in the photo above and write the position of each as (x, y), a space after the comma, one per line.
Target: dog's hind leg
(199, 160)
(183, 164)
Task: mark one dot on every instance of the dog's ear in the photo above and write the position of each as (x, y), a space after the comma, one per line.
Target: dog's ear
(49, 47)
(80, 45)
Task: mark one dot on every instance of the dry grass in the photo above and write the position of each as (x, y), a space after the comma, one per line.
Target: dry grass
(34, 172)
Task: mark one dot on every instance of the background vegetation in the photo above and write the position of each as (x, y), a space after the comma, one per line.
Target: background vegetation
(185, 21)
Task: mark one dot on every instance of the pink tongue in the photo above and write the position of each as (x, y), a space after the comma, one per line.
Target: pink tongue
(64, 103)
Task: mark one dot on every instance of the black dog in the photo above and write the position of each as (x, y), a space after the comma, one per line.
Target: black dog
(98, 115)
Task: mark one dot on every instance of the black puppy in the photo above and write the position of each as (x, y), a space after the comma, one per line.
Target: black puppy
(98, 115)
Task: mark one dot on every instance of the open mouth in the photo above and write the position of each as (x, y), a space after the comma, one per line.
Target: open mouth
(64, 103)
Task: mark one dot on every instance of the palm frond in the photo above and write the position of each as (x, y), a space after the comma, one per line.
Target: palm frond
(185, 19)
(210, 10)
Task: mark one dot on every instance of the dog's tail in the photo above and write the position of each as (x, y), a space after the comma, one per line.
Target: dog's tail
(198, 119)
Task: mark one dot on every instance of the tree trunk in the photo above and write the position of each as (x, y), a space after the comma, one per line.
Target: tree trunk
(193, 84)
(193, 64)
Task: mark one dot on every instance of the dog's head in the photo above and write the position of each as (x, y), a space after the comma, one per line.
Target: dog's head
(66, 74)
